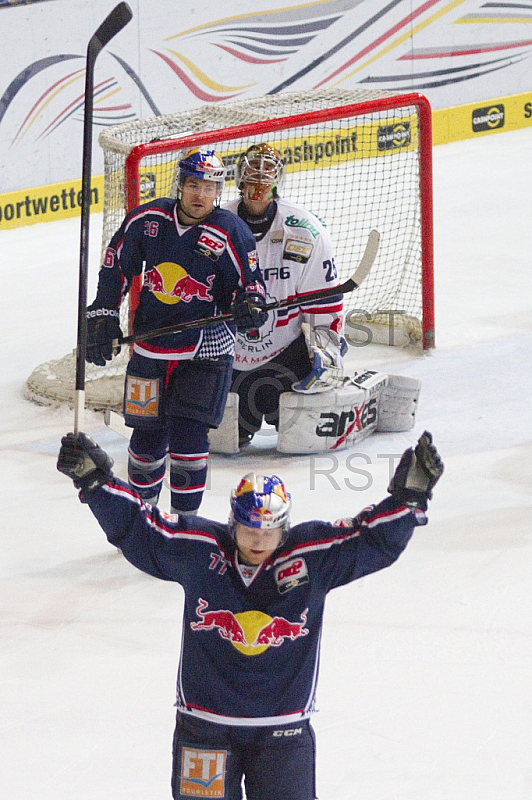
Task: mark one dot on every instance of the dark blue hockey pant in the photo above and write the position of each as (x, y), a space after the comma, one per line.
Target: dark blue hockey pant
(170, 406)
(276, 763)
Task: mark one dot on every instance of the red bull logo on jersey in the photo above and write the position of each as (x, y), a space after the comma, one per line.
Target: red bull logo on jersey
(253, 260)
(278, 629)
(251, 632)
(225, 622)
(170, 284)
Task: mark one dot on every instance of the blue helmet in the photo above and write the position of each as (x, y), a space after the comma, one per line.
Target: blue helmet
(202, 163)
(260, 501)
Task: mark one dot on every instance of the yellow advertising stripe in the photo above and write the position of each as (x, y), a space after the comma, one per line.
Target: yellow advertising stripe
(317, 150)
(47, 203)
(108, 95)
(253, 14)
(490, 20)
(217, 87)
(403, 38)
(455, 123)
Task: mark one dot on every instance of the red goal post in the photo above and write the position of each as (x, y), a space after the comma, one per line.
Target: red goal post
(358, 159)
(385, 120)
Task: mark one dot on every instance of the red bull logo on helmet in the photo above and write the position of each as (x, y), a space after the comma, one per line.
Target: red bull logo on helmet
(259, 514)
(263, 485)
(250, 632)
(171, 284)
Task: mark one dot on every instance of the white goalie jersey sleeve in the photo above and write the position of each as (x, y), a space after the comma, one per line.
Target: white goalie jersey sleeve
(295, 257)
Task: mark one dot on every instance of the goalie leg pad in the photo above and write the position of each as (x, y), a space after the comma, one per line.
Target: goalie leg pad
(224, 439)
(398, 403)
(331, 421)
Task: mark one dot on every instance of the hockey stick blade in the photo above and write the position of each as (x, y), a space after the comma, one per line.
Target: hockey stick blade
(349, 285)
(366, 262)
(112, 24)
(362, 270)
(116, 423)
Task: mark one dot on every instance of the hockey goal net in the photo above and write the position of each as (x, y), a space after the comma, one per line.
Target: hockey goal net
(357, 159)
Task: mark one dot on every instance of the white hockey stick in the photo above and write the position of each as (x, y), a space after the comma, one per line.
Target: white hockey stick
(366, 262)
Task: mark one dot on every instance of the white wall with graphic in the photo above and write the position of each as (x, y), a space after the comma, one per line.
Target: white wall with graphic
(178, 54)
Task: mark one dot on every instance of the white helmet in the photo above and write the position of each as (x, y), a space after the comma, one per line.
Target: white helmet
(262, 166)
(260, 501)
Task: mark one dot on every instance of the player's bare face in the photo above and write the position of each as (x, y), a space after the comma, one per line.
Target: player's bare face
(197, 200)
(255, 545)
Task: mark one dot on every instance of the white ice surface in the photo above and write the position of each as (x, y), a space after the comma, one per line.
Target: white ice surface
(426, 687)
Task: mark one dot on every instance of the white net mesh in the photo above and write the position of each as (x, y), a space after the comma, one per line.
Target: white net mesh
(355, 171)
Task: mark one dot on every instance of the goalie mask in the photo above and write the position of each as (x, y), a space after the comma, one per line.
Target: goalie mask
(204, 164)
(260, 501)
(259, 172)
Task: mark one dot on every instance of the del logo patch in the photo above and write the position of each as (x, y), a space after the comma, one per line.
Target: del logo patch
(210, 246)
(291, 574)
(296, 250)
(202, 772)
(142, 397)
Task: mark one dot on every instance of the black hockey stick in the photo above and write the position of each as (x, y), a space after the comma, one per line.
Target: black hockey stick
(349, 285)
(117, 19)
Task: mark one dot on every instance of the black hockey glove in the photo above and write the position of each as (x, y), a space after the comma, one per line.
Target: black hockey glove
(103, 327)
(84, 461)
(417, 473)
(247, 308)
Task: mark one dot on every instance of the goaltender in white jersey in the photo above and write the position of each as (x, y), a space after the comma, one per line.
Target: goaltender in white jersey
(290, 372)
(297, 346)
(301, 249)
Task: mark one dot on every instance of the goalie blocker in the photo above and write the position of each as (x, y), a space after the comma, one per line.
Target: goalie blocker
(333, 420)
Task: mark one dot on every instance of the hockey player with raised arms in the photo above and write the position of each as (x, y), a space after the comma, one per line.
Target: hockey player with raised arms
(197, 261)
(304, 345)
(254, 590)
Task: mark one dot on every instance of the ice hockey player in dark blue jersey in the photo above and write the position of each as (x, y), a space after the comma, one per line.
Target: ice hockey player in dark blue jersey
(254, 598)
(197, 260)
